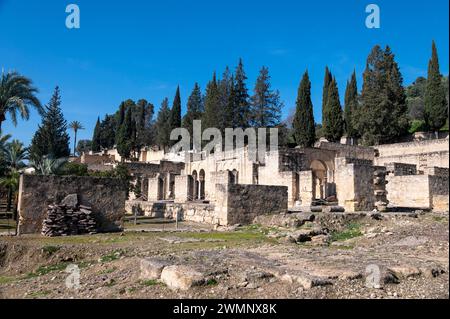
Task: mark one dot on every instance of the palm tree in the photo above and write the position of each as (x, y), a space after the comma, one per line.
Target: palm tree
(14, 155)
(17, 94)
(3, 140)
(75, 126)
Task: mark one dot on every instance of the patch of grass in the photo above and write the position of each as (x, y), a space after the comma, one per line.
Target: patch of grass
(50, 250)
(111, 257)
(352, 230)
(211, 282)
(39, 294)
(150, 283)
(440, 219)
(44, 270)
(6, 280)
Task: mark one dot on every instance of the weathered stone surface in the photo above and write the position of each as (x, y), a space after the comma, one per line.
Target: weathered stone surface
(151, 268)
(70, 200)
(182, 277)
(405, 271)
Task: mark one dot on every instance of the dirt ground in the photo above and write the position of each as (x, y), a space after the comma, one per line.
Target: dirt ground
(410, 252)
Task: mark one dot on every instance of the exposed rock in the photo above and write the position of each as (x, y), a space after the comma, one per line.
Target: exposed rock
(182, 277)
(405, 271)
(70, 200)
(151, 268)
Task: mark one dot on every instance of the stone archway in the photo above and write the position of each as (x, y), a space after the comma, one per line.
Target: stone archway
(320, 179)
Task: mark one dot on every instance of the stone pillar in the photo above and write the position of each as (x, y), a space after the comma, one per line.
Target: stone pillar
(306, 181)
(379, 182)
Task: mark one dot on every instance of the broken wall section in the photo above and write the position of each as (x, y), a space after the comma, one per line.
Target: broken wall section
(106, 196)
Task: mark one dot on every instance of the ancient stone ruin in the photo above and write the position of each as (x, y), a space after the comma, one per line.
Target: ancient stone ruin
(68, 219)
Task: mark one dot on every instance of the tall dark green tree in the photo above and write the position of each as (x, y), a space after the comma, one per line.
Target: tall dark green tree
(333, 122)
(161, 126)
(211, 117)
(303, 123)
(121, 113)
(175, 117)
(382, 117)
(265, 103)
(96, 138)
(351, 104)
(108, 132)
(51, 139)
(241, 98)
(194, 108)
(226, 100)
(326, 85)
(126, 136)
(436, 110)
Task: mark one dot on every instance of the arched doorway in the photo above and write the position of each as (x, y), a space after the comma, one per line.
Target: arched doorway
(319, 172)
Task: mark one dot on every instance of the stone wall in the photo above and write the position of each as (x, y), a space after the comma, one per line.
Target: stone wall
(354, 184)
(425, 153)
(400, 169)
(240, 204)
(439, 193)
(437, 171)
(195, 212)
(106, 196)
(349, 151)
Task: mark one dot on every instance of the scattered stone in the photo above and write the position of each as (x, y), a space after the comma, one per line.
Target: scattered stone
(70, 200)
(182, 277)
(151, 268)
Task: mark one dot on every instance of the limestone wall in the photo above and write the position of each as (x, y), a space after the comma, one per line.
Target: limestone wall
(425, 153)
(240, 204)
(400, 169)
(194, 212)
(439, 193)
(354, 184)
(106, 196)
(409, 191)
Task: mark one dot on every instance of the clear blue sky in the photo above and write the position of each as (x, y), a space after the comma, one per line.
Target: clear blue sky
(144, 49)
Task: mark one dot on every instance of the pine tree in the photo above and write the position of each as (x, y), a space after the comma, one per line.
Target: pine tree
(241, 102)
(265, 103)
(326, 85)
(225, 89)
(436, 111)
(351, 104)
(333, 123)
(194, 108)
(125, 136)
(303, 124)
(161, 126)
(382, 116)
(211, 117)
(96, 139)
(51, 139)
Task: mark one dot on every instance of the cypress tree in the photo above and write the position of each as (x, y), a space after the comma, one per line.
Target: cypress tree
(241, 102)
(161, 126)
(351, 104)
(125, 138)
(333, 123)
(211, 117)
(96, 139)
(382, 116)
(326, 85)
(51, 139)
(175, 117)
(303, 124)
(194, 108)
(225, 88)
(265, 103)
(436, 111)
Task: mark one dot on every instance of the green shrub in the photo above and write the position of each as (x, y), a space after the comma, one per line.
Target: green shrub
(417, 126)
